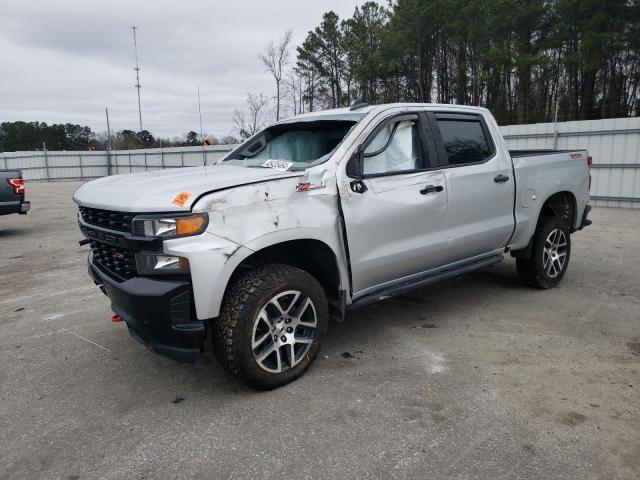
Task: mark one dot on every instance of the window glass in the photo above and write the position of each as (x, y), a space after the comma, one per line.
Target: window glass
(300, 144)
(464, 140)
(395, 148)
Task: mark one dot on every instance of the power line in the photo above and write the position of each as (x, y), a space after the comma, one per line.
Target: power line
(137, 69)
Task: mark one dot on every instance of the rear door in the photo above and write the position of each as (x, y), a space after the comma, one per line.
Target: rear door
(480, 185)
(395, 204)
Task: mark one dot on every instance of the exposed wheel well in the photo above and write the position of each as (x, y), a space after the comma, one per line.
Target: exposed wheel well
(561, 205)
(312, 256)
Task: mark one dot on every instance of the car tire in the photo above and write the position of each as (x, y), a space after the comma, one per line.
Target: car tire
(550, 254)
(271, 325)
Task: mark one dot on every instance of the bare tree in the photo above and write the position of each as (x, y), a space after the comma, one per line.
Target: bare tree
(292, 91)
(275, 58)
(255, 117)
(240, 123)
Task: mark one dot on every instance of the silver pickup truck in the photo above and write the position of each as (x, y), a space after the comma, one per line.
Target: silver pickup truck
(319, 214)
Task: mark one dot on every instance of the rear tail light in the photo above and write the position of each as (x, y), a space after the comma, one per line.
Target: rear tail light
(17, 184)
(589, 163)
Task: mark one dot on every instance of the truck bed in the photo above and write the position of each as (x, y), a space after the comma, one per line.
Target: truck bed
(539, 152)
(541, 173)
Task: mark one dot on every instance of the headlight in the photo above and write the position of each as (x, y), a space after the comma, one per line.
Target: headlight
(170, 227)
(152, 264)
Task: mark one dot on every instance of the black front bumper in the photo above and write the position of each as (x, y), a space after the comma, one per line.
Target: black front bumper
(158, 313)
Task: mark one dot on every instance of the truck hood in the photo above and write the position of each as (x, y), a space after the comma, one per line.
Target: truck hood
(175, 189)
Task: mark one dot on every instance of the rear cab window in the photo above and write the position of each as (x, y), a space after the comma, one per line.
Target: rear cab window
(464, 138)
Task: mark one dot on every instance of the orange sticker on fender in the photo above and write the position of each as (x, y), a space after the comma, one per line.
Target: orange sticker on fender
(181, 198)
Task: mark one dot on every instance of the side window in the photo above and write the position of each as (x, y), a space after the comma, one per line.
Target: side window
(396, 147)
(464, 140)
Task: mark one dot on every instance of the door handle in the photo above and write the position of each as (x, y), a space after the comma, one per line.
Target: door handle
(431, 189)
(501, 179)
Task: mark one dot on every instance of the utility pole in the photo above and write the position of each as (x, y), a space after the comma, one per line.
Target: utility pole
(200, 114)
(555, 126)
(106, 110)
(204, 154)
(137, 69)
(109, 169)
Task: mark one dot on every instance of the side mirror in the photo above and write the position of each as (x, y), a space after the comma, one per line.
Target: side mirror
(354, 166)
(254, 147)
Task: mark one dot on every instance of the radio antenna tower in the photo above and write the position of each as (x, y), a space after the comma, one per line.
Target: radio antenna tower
(137, 69)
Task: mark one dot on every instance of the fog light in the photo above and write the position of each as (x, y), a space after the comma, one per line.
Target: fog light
(152, 264)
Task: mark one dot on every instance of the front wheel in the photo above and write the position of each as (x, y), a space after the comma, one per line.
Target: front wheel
(271, 324)
(550, 254)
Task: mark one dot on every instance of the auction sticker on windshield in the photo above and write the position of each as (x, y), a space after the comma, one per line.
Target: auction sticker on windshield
(281, 165)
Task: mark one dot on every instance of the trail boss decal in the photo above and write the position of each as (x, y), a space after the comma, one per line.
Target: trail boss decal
(182, 198)
(281, 165)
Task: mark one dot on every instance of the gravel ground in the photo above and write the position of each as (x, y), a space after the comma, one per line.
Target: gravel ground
(475, 377)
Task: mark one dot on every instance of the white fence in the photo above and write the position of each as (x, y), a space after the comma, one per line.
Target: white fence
(51, 166)
(614, 145)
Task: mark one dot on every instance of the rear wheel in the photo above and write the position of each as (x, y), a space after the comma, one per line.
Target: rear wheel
(271, 324)
(550, 255)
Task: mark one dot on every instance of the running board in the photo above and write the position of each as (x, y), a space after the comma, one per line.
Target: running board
(423, 280)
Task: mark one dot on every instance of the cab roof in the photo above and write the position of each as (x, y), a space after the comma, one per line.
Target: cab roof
(358, 114)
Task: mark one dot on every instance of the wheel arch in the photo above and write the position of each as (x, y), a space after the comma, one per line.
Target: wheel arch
(560, 203)
(309, 253)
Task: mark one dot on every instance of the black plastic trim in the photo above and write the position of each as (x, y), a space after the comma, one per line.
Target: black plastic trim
(585, 221)
(158, 313)
(118, 238)
(423, 280)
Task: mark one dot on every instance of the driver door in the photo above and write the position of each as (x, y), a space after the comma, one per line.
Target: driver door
(394, 205)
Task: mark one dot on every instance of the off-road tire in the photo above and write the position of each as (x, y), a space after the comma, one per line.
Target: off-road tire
(245, 297)
(531, 270)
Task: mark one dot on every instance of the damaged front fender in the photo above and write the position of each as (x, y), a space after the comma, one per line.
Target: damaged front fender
(212, 261)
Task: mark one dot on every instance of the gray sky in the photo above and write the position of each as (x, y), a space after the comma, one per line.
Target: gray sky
(64, 61)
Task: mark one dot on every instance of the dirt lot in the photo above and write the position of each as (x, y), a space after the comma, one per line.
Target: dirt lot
(476, 377)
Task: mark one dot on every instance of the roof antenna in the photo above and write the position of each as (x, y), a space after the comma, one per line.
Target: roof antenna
(358, 104)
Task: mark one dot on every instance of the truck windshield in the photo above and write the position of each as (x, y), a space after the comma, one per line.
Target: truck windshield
(292, 146)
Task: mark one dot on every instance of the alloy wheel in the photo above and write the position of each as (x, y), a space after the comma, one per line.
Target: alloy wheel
(554, 255)
(283, 331)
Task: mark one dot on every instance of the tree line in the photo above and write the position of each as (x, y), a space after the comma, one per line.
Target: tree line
(522, 59)
(27, 136)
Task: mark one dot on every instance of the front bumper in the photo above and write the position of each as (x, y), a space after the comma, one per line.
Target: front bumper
(158, 313)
